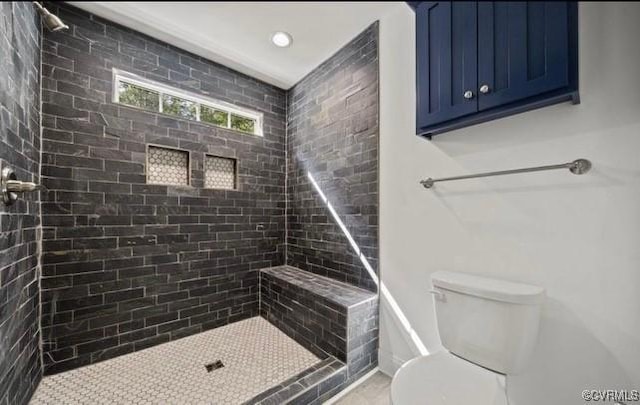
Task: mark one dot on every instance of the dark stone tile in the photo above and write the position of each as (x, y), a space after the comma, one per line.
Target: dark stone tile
(95, 165)
(185, 257)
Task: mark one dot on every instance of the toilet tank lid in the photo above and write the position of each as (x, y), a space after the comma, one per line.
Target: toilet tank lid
(498, 290)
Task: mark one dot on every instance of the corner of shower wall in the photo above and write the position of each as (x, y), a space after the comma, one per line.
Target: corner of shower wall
(20, 143)
(332, 205)
(332, 166)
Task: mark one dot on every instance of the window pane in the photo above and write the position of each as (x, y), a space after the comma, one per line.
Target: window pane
(212, 116)
(138, 97)
(179, 107)
(243, 124)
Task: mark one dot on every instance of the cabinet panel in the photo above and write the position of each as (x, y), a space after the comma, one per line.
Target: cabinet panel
(446, 40)
(523, 50)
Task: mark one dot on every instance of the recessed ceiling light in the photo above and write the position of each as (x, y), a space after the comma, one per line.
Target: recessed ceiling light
(281, 39)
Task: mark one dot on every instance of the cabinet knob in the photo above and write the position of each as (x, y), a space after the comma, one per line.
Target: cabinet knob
(468, 94)
(484, 89)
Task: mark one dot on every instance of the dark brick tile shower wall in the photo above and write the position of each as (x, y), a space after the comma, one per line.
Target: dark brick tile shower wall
(332, 135)
(20, 369)
(127, 265)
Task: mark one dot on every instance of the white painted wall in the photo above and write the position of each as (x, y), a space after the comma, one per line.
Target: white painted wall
(578, 236)
(237, 34)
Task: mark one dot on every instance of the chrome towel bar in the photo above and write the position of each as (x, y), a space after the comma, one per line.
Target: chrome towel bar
(578, 166)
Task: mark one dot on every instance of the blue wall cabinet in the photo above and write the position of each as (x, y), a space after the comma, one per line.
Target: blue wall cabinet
(447, 60)
(478, 61)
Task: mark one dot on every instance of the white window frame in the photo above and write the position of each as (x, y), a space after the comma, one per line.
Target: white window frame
(120, 76)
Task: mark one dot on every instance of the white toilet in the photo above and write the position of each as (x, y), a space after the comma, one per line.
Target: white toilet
(489, 328)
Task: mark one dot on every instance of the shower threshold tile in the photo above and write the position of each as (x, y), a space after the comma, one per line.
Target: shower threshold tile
(227, 365)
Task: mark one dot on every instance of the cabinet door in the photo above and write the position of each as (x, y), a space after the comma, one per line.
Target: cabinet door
(446, 52)
(523, 50)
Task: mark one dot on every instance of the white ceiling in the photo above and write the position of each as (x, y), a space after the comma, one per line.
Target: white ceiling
(238, 34)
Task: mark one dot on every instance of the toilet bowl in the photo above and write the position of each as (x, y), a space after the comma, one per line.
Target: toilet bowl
(489, 329)
(444, 379)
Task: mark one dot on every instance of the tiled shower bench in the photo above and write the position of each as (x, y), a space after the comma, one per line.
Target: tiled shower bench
(336, 321)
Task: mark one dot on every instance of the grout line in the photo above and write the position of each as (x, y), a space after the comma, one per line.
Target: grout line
(39, 228)
(259, 292)
(286, 177)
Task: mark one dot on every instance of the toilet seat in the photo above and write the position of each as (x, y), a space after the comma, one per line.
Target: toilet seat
(444, 379)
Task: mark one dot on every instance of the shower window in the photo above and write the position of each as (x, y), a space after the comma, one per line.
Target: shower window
(213, 116)
(136, 91)
(135, 96)
(176, 106)
(243, 124)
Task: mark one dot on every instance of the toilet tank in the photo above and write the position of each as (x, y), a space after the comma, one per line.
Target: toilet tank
(492, 323)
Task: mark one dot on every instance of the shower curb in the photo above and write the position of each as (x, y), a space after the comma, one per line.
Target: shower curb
(306, 386)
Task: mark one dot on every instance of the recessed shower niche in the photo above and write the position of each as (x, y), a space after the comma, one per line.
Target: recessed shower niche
(220, 172)
(167, 166)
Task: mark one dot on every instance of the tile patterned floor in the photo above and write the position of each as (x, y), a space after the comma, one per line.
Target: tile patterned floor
(256, 356)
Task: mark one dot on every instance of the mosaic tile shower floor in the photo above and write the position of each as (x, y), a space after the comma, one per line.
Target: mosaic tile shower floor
(256, 356)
